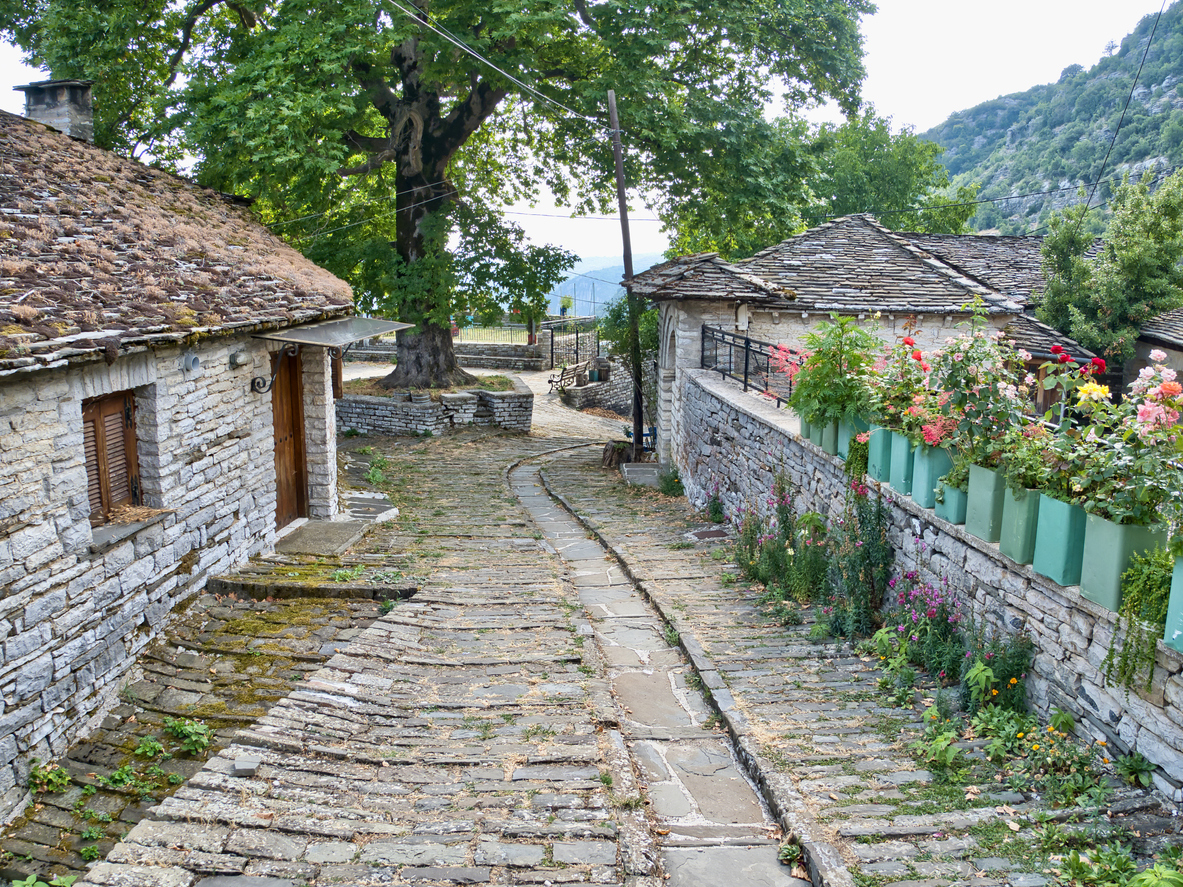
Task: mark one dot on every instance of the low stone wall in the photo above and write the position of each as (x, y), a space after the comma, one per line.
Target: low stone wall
(739, 441)
(492, 357)
(616, 394)
(511, 410)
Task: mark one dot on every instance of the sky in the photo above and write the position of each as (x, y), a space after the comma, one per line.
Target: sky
(925, 59)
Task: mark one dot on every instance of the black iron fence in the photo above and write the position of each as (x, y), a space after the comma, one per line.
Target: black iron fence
(573, 343)
(756, 364)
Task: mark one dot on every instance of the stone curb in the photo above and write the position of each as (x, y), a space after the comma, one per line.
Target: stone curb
(826, 868)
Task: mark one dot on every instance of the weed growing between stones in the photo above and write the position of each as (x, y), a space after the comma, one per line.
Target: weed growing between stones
(47, 777)
(669, 484)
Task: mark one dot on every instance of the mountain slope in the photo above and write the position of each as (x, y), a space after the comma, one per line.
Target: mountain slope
(1054, 137)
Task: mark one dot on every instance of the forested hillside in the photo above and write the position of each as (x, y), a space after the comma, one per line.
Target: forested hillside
(1054, 137)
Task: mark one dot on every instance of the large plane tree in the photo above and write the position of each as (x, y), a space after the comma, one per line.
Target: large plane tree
(384, 137)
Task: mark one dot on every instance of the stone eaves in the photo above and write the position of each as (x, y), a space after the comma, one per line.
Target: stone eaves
(1038, 338)
(705, 277)
(1166, 329)
(1011, 265)
(100, 254)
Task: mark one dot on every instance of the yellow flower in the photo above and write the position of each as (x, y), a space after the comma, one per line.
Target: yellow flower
(1101, 742)
(1035, 747)
(1013, 681)
(993, 692)
(1094, 392)
(1020, 736)
(1050, 728)
(1106, 760)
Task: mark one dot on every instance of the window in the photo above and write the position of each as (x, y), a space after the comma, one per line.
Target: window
(109, 437)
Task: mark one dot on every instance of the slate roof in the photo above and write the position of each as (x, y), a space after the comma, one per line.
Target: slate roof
(100, 254)
(1037, 337)
(854, 264)
(1166, 329)
(1011, 265)
(704, 276)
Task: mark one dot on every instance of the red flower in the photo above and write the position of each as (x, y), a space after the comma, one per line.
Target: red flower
(1064, 358)
(916, 355)
(1098, 365)
(1057, 349)
(909, 341)
(925, 367)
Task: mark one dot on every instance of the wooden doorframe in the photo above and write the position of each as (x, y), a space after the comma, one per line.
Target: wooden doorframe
(287, 410)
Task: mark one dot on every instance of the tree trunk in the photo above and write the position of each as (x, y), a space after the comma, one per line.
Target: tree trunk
(426, 360)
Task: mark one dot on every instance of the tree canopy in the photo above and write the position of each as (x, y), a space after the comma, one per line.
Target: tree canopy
(1103, 301)
(382, 137)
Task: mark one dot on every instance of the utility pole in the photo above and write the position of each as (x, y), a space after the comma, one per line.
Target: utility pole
(634, 311)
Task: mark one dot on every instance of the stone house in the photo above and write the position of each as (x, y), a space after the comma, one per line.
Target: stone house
(165, 410)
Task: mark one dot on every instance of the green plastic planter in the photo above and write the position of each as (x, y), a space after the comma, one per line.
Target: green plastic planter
(902, 462)
(1019, 516)
(930, 465)
(983, 509)
(1173, 636)
(847, 431)
(1059, 540)
(829, 442)
(952, 508)
(1107, 550)
(804, 428)
(879, 453)
(815, 434)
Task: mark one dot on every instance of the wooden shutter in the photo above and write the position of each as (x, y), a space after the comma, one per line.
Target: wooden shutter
(109, 439)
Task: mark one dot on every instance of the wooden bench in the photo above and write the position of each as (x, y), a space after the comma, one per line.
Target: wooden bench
(568, 376)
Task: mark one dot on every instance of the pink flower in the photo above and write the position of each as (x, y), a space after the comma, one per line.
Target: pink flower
(864, 437)
(1158, 355)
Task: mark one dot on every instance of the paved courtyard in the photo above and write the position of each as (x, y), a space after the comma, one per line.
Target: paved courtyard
(577, 692)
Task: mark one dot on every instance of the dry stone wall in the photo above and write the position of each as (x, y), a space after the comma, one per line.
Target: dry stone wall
(739, 441)
(78, 604)
(512, 410)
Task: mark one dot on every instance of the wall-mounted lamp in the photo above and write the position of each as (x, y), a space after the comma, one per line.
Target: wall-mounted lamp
(190, 362)
(238, 359)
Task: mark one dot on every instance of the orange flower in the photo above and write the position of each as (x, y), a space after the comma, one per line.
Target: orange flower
(1171, 389)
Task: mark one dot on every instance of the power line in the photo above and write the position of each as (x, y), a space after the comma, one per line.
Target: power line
(362, 203)
(1121, 119)
(574, 218)
(425, 19)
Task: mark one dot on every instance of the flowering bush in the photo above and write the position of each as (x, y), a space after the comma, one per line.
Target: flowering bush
(924, 626)
(1122, 458)
(898, 386)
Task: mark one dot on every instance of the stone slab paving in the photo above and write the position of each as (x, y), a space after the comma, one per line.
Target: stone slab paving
(808, 720)
(696, 791)
(463, 738)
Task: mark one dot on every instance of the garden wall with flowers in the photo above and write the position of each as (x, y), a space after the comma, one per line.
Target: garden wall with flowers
(971, 465)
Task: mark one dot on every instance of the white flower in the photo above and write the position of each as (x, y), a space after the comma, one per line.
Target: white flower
(1146, 372)
(1158, 355)
(1167, 374)
(1024, 356)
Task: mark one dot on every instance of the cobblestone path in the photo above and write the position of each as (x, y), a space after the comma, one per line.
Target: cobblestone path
(464, 738)
(809, 721)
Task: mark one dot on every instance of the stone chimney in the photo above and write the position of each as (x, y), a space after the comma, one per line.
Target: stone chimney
(63, 104)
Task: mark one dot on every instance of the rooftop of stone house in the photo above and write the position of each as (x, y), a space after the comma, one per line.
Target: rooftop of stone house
(854, 264)
(1038, 338)
(707, 277)
(1166, 329)
(1012, 265)
(99, 253)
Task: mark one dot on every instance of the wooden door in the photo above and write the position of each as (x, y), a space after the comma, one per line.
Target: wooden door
(287, 403)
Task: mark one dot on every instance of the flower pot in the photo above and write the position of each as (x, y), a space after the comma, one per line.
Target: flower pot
(829, 441)
(930, 465)
(902, 463)
(1107, 550)
(1173, 636)
(879, 453)
(1019, 516)
(593, 375)
(847, 431)
(983, 507)
(804, 428)
(815, 434)
(1059, 540)
(952, 508)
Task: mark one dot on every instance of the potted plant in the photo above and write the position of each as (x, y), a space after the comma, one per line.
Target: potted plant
(1126, 476)
(1060, 523)
(901, 378)
(1023, 464)
(932, 460)
(952, 495)
(1173, 634)
(831, 384)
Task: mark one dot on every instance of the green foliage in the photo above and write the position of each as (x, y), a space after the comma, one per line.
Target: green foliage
(613, 325)
(35, 881)
(149, 747)
(1145, 593)
(1135, 769)
(830, 385)
(994, 671)
(861, 558)
(48, 777)
(90, 853)
(1103, 302)
(194, 736)
(669, 484)
(863, 167)
(938, 748)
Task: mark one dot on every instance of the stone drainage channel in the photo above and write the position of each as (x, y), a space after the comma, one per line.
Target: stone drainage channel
(713, 827)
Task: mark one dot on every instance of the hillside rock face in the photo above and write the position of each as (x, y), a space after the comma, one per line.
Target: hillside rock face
(1047, 142)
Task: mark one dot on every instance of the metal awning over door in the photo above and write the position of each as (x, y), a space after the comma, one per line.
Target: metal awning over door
(335, 335)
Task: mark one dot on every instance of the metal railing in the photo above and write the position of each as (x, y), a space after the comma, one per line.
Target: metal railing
(748, 361)
(495, 335)
(573, 344)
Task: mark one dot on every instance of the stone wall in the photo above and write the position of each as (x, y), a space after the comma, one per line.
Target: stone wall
(616, 394)
(470, 354)
(722, 435)
(79, 603)
(512, 410)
